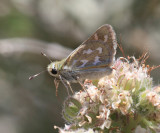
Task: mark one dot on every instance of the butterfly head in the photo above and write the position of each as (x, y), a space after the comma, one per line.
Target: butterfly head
(52, 69)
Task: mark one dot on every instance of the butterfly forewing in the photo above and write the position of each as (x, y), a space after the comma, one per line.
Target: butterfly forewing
(98, 51)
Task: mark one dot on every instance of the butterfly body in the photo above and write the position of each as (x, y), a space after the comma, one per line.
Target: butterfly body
(72, 75)
(91, 60)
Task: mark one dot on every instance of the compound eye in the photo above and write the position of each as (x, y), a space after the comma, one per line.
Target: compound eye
(54, 71)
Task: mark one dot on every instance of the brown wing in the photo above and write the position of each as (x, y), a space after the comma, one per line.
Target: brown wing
(99, 50)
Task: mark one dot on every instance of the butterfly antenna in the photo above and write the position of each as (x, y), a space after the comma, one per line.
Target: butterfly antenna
(31, 77)
(46, 57)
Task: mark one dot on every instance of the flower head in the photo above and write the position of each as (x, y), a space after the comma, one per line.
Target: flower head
(119, 102)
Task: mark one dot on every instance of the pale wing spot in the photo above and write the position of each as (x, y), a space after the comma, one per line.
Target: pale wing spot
(87, 51)
(96, 36)
(105, 38)
(99, 49)
(96, 60)
(74, 62)
(84, 63)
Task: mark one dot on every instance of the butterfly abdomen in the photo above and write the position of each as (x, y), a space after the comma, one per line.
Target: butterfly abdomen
(92, 74)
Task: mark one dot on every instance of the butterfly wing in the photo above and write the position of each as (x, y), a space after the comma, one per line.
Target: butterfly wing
(98, 51)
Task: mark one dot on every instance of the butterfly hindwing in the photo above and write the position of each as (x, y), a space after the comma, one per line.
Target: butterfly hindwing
(99, 50)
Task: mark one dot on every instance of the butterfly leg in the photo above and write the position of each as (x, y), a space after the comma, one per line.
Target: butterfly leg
(56, 82)
(64, 83)
(70, 87)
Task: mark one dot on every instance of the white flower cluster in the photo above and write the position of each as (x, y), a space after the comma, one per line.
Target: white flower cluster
(76, 131)
(119, 102)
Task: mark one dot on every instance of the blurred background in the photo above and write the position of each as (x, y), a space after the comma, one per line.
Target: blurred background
(56, 27)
